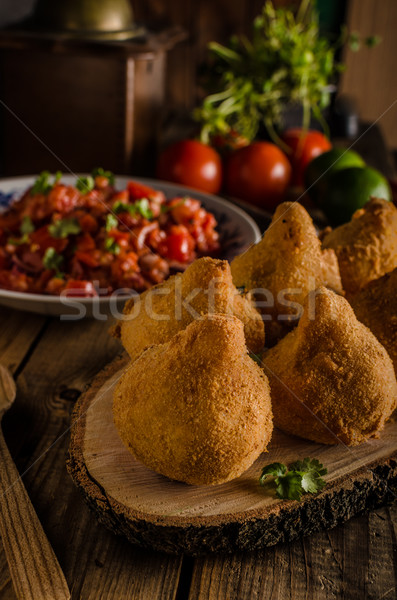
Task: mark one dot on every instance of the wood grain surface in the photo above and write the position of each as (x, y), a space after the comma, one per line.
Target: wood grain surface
(54, 362)
(167, 515)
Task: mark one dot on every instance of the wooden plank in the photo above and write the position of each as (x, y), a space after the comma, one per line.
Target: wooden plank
(96, 563)
(353, 562)
(18, 332)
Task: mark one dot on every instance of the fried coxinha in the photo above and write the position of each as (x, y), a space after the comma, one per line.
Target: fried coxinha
(206, 415)
(288, 262)
(366, 246)
(205, 287)
(331, 380)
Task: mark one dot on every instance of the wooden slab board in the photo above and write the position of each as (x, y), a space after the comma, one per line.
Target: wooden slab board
(169, 516)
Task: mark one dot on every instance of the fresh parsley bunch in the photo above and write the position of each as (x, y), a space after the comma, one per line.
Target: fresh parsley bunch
(285, 61)
(300, 477)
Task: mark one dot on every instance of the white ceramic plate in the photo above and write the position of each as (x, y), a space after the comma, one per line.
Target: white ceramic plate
(237, 232)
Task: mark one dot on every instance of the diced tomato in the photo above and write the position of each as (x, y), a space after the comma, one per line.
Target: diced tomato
(14, 280)
(40, 240)
(124, 264)
(178, 245)
(184, 209)
(85, 242)
(122, 238)
(122, 196)
(63, 198)
(88, 224)
(101, 182)
(55, 285)
(80, 288)
(91, 259)
(138, 190)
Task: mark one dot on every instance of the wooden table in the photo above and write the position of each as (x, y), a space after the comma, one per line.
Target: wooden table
(53, 361)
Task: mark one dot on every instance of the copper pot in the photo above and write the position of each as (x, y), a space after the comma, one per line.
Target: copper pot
(96, 19)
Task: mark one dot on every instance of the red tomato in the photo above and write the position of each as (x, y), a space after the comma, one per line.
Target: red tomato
(179, 244)
(80, 288)
(258, 173)
(137, 191)
(305, 146)
(193, 164)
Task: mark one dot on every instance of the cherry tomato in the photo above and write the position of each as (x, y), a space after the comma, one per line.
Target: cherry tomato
(305, 145)
(191, 163)
(258, 173)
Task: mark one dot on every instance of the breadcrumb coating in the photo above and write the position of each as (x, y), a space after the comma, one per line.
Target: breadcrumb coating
(205, 287)
(197, 408)
(366, 247)
(376, 306)
(288, 262)
(331, 380)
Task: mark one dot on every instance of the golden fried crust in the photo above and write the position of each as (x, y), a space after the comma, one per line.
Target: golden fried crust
(205, 287)
(331, 380)
(376, 306)
(366, 247)
(196, 409)
(289, 256)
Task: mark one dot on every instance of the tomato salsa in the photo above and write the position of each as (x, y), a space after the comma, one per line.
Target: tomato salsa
(91, 238)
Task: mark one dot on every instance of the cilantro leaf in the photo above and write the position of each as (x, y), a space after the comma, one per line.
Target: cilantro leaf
(140, 207)
(112, 246)
(99, 172)
(312, 482)
(42, 185)
(111, 222)
(85, 184)
(26, 226)
(308, 465)
(311, 470)
(166, 207)
(25, 229)
(274, 469)
(300, 477)
(63, 228)
(289, 486)
(52, 260)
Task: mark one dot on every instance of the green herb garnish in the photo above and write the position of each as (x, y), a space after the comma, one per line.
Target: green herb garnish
(166, 207)
(140, 207)
(42, 185)
(300, 477)
(112, 246)
(52, 260)
(111, 222)
(64, 227)
(252, 80)
(99, 172)
(85, 184)
(26, 228)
